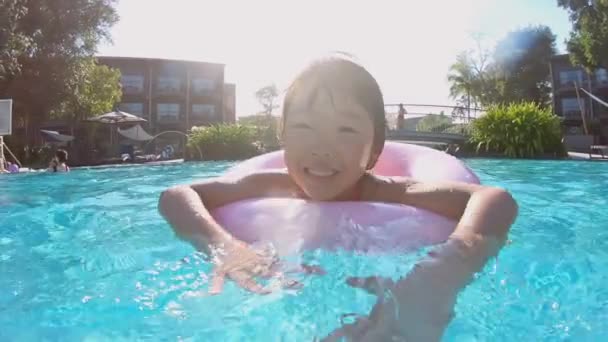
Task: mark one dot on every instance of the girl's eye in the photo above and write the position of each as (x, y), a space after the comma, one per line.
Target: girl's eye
(346, 129)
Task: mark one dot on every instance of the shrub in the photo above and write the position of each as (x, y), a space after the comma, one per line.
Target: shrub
(434, 123)
(35, 157)
(518, 130)
(266, 127)
(459, 128)
(223, 142)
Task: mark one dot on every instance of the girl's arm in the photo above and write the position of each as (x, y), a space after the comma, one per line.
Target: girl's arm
(483, 215)
(188, 210)
(187, 207)
(480, 211)
(425, 298)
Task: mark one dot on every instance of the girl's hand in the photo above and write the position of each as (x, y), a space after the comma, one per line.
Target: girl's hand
(419, 306)
(242, 263)
(382, 320)
(397, 315)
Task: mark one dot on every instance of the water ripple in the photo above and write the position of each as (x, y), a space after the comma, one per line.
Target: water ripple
(86, 257)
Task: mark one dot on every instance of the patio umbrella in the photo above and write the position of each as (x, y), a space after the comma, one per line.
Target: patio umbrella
(135, 133)
(114, 118)
(56, 136)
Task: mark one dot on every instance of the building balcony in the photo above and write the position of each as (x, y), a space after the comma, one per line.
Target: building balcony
(570, 86)
(169, 92)
(570, 115)
(206, 94)
(204, 120)
(168, 118)
(600, 84)
(603, 114)
(130, 90)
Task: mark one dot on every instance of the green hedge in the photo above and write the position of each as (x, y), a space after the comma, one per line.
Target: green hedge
(459, 128)
(434, 123)
(223, 142)
(519, 130)
(267, 130)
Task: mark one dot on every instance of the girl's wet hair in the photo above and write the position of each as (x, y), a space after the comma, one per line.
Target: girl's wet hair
(339, 74)
(61, 155)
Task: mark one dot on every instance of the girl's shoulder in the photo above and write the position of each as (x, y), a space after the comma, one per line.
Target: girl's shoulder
(258, 175)
(385, 188)
(274, 178)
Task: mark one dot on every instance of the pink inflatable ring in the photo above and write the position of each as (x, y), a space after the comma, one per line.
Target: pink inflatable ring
(293, 225)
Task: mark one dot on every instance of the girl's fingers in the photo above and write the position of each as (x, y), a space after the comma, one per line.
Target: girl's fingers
(246, 281)
(217, 282)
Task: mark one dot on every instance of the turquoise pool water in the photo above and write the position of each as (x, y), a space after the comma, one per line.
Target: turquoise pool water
(86, 257)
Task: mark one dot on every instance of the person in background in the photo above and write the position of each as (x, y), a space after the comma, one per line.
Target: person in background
(401, 117)
(59, 162)
(12, 167)
(452, 149)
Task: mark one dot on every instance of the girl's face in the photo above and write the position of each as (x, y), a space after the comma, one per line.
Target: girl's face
(327, 144)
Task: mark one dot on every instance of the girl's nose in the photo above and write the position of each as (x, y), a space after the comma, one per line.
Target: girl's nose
(322, 154)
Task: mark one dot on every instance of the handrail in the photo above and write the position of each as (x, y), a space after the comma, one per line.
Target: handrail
(11, 153)
(431, 105)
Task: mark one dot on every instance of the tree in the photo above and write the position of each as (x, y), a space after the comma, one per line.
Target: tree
(42, 46)
(94, 90)
(434, 123)
(517, 70)
(266, 97)
(260, 120)
(521, 66)
(464, 81)
(471, 84)
(588, 42)
(12, 42)
(266, 127)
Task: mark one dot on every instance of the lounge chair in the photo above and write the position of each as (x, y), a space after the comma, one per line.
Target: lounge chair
(601, 149)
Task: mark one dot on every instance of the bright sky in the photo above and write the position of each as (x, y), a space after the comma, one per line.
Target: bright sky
(407, 45)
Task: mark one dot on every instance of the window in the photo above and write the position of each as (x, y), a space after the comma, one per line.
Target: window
(167, 112)
(132, 84)
(570, 107)
(601, 76)
(135, 108)
(566, 78)
(203, 86)
(168, 85)
(229, 108)
(203, 111)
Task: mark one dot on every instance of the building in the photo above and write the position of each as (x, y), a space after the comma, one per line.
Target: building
(229, 102)
(173, 94)
(565, 104)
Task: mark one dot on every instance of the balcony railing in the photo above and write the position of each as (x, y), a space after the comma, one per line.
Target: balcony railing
(571, 114)
(168, 90)
(132, 90)
(432, 118)
(168, 118)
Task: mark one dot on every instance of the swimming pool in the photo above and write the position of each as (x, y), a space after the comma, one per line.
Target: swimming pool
(86, 257)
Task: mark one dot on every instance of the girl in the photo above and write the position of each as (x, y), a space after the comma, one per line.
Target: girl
(59, 162)
(333, 132)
